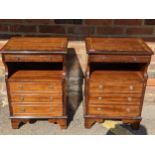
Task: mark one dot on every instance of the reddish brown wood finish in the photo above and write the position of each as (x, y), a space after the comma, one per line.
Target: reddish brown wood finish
(44, 45)
(120, 46)
(117, 58)
(33, 58)
(43, 110)
(25, 86)
(115, 80)
(36, 93)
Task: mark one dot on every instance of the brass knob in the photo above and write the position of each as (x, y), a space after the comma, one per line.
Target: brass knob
(51, 98)
(22, 99)
(50, 87)
(18, 58)
(134, 58)
(128, 110)
(22, 109)
(99, 109)
(101, 86)
(103, 57)
(50, 58)
(21, 87)
(131, 87)
(100, 98)
(129, 99)
(64, 74)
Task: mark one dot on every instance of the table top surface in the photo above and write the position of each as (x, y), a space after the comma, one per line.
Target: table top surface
(120, 46)
(36, 45)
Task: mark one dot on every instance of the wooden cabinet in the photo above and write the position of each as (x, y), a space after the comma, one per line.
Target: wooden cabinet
(115, 79)
(36, 79)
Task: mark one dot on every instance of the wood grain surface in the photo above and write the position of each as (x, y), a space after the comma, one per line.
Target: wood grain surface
(44, 44)
(130, 46)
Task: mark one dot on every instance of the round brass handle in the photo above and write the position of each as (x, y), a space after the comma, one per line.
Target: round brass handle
(131, 87)
(100, 98)
(129, 99)
(22, 109)
(51, 98)
(18, 58)
(22, 99)
(100, 86)
(103, 57)
(128, 110)
(134, 58)
(50, 87)
(21, 87)
(99, 109)
(50, 58)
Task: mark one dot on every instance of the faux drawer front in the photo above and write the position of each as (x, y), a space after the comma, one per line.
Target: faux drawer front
(114, 110)
(32, 58)
(111, 58)
(106, 87)
(43, 87)
(54, 98)
(37, 111)
(101, 98)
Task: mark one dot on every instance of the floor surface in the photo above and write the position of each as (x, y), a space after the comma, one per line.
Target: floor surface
(76, 126)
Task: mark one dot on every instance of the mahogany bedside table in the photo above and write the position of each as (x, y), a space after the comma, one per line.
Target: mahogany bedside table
(36, 79)
(115, 80)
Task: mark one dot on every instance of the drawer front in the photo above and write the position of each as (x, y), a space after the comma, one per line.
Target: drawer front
(37, 111)
(107, 87)
(32, 58)
(55, 98)
(35, 86)
(101, 98)
(111, 58)
(114, 110)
